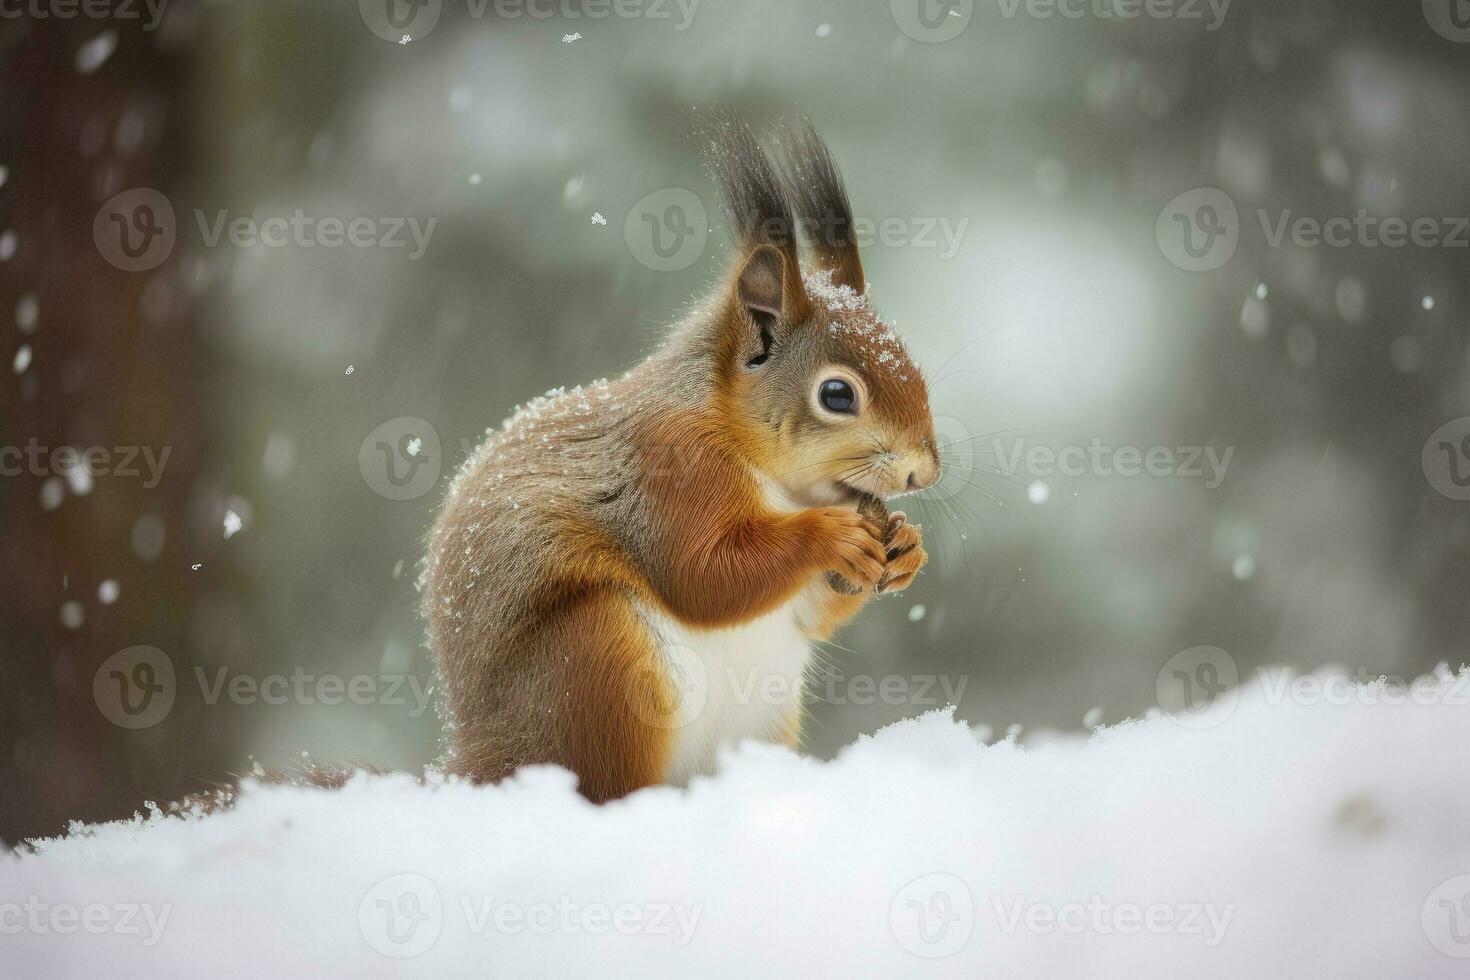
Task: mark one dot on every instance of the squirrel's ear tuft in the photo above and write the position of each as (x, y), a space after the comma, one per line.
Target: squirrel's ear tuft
(756, 205)
(815, 187)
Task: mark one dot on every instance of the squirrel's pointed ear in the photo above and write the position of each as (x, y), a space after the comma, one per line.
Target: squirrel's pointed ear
(768, 284)
(766, 300)
(761, 284)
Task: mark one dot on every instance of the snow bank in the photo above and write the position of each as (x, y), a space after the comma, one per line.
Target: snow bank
(1289, 837)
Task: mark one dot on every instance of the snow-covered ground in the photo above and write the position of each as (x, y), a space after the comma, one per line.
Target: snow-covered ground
(1289, 834)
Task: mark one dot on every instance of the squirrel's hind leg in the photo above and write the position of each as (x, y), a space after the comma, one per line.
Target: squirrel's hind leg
(616, 701)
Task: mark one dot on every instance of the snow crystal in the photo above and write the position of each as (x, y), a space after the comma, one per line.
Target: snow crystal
(107, 591)
(1255, 317)
(350, 369)
(27, 311)
(1139, 850)
(569, 38)
(53, 492)
(72, 614)
(94, 53)
(232, 524)
(820, 287)
(854, 319)
(1350, 297)
(598, 219)
(147, 537)
(535, 421)
(22, 358)
(79, 477)
(916, 612)
(1404, 353)
(279, 456)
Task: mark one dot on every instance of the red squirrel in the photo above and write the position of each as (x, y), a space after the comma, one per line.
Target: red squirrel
(627, 576)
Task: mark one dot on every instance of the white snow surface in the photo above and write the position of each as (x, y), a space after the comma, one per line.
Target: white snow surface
(1284, 839)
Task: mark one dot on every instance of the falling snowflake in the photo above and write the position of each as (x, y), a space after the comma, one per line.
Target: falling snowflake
(569, 38)
(91, 55)
(53, 492)
(404, 39)
(415, 445)
(27, 309)
(232, 524)
(72, 615)
(350, 369)
(598, 219)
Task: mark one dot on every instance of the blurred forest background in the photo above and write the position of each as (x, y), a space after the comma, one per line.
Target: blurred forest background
(277, 378)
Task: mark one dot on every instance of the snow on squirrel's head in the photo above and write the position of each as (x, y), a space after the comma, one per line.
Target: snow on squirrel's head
(828, 387)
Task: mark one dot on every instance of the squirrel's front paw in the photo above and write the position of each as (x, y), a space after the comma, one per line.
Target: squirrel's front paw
(856, 546)
(905, 554)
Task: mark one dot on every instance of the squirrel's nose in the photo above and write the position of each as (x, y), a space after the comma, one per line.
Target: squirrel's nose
(922, 477)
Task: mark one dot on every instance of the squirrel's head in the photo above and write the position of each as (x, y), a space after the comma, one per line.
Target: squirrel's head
(832, 405)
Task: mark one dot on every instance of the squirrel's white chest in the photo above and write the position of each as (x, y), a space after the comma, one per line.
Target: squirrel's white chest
(732, 684)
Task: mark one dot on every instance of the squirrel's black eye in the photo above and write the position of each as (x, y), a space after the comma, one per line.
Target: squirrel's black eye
(837, 395)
